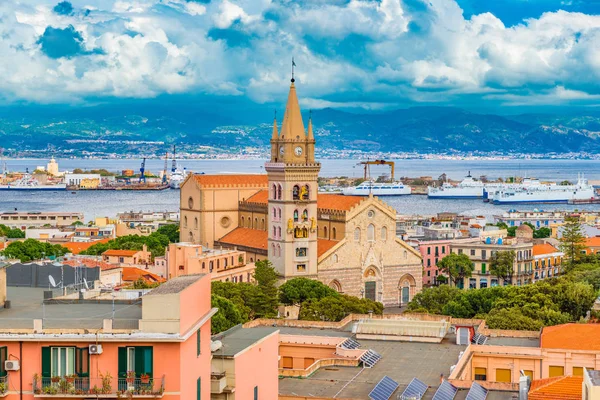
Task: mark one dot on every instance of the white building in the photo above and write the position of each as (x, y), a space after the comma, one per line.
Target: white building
(75, 179)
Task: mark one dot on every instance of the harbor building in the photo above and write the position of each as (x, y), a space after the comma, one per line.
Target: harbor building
(25, 220)
(346, 242)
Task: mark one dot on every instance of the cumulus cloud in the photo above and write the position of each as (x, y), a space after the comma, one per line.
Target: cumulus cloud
(352, 53)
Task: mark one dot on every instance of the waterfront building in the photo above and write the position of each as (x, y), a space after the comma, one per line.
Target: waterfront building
(83, 181)
(25, 220)
(346, 242)
(52, 168)
(158, 347)
(537, 218)
(547, 261)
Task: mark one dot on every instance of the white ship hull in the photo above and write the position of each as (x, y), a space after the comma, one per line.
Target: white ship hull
(378, 189)
(544, 196)
(60, 186)
(455, 192)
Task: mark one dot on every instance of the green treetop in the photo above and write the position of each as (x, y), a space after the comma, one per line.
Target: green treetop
(572, 242)
(501, 265)
(456, 266)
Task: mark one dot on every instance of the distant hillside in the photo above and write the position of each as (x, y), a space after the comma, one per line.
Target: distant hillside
(116, 128)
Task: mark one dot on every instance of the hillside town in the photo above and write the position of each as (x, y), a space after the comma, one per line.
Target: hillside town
(262, 286)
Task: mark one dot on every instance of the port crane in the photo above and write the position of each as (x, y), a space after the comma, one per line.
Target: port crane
(143, 171)
(164, 177)
(377, 162)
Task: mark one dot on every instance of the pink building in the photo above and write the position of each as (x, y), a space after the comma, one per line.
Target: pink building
(223, 265)
(245, 364)
(159, 349)
(432, 252)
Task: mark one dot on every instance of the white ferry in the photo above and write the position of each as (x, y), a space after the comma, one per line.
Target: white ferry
(468, 188)
(581, 191)
(378, 189)
(490, 190)
(29, 183)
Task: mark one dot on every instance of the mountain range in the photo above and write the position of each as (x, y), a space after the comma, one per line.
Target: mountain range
(151, 128)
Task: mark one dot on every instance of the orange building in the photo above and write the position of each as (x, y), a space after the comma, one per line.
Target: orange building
(158, 349)
(592, 245)
(127, 257)
(547, 261)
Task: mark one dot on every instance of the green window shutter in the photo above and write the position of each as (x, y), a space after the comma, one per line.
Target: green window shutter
(198, 342)
(46, 363)
(122, 362)
(143, 360)
(255, 392)
(82, 361)
(3, 357)
(483, 268)
(199, 389)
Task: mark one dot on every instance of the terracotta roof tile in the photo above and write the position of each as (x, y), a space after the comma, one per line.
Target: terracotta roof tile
(78, 247)
(546, 248)
(571, 337)
(556, 388)
(121, 253)
(253, 238)
(256, 180)
(337, 202)
(323, 246)
(90, 263)
(132, 274)
(593, 241)
(260, 197)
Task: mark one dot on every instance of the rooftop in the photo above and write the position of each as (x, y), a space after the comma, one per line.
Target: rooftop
(237, 179)
(571, 337)
(324, 245)
(253, 238)
(546, 248)
(238, 339)
(593, 241)
(513, 341)
(132, 274)
(90, 263)
(121, 253)
(556, 388)
(176, 285)
(594, 376)
(336, 202)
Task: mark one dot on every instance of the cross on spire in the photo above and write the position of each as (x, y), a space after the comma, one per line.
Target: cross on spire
(293, 65)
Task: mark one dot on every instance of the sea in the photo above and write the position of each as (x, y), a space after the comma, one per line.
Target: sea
(108, 203)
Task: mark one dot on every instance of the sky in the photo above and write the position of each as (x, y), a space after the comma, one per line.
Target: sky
(497, 55)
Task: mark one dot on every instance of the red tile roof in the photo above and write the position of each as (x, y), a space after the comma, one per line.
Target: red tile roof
(593, 241)
(121, 253)
(260, 197)
(253, 238)
(556, 388)
(324, 245)
(78, 247)
(90, 263)
(571, 337)
(132, 274)
(546, 248)
(239, 179)
(337, 202)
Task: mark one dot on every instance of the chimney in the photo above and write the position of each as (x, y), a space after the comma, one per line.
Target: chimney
(3, 268)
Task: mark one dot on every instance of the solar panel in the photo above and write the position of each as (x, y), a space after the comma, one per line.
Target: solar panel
(478, 338)
(350, 344)
(384, 389)
(446, 391)
(477, 392)
(370, 358)
(414, 391)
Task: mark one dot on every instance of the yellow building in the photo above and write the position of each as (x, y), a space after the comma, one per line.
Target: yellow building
(88, 183)
(346, 242)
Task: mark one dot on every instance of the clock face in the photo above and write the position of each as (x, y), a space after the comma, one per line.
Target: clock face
(298, 151)
(281, 150)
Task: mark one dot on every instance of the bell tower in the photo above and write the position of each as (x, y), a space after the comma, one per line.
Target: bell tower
(293, 187)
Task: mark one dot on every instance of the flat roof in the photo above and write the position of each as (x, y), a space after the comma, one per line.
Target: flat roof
(238, 339)
(594, 376)
(176, 285)
(27, 305)
(513, 341)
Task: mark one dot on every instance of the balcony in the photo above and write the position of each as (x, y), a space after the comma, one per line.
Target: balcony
(3, 386)
(98, 388)
(218, 382)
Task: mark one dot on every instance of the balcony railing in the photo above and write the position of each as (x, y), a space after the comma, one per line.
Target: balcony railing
(106, 387)
(3, 386)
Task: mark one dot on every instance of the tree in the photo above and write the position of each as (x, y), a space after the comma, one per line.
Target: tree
(502, 225)
(336, 308)
(433, 299)
(77, 223)
(227, 317)
(297, 290)
(31, 250)
(572, 242)
(265, 302)
(11, 233)
(542, 233)
(141, 283)
(501, 265)
(156, 243)
(456, 266)
(78, 171)
(171, 231)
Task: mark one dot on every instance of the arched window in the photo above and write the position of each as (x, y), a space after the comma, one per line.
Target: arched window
(384, 233)
(304, 232)
(278, 192)
(274, 213)
(279, 212)
(274, 192)
(249, 222)
(305, 192)
(255, 223)
(241, 278)
(279, 232)
(371, 233)
(357, 235)
(211, 265)
(234, 279)
(191, 236)
(405, 254)
(325, 232)
(225, 262)
(295, 215)
(185, 222)
(274, 232)
(218, 264)
(335, 258)
(304, 215)
(296, 192)
(203, 265)
(251, 259)
(243, 221)
(262, 224)
(333, 233)
(195, 223)
(278, 251)
(273, 250)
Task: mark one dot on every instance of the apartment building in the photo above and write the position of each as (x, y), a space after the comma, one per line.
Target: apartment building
(159, 348)
(547, 261)
(128, 257)
(24, 220)
(432, 251)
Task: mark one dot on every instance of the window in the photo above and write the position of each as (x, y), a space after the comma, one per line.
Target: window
(199, 389)
(295, 215)
(195, 223)
(121, 259)
(429, 262)
(472, 252)
(357, 235)
(255, 392)
(577, 371)
(135, 358)
(503, 375)
(443, 249)
(371, 233)
(333, 233)
(304, 215)
(480, 374)
(483, 254)
(198, 339)
(555, 370)
(301, 268)
(483, 266)
(190, 202)
(274, 192)
(428, 250)
(278, 192)
(63, 361)
(301, 252)
(296, 192)
(325, 232)
(460, 251)
(185, 222)
(472, 283)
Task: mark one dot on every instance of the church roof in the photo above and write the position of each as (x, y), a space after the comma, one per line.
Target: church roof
(556, 388)
(324, 245)
(233, 179)
(253, 238)
(336, 202)
(292, 120)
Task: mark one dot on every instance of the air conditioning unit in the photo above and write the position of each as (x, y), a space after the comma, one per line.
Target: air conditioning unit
(11, 365)
(95, 349)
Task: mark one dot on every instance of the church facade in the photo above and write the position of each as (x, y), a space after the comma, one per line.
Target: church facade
(346, 242)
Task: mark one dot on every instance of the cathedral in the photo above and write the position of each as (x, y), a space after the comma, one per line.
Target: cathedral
(346, 242)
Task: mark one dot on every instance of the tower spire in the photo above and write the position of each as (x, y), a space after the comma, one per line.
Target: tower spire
(293, 65)
(275, 135)
(311, 135)
(292, 125)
